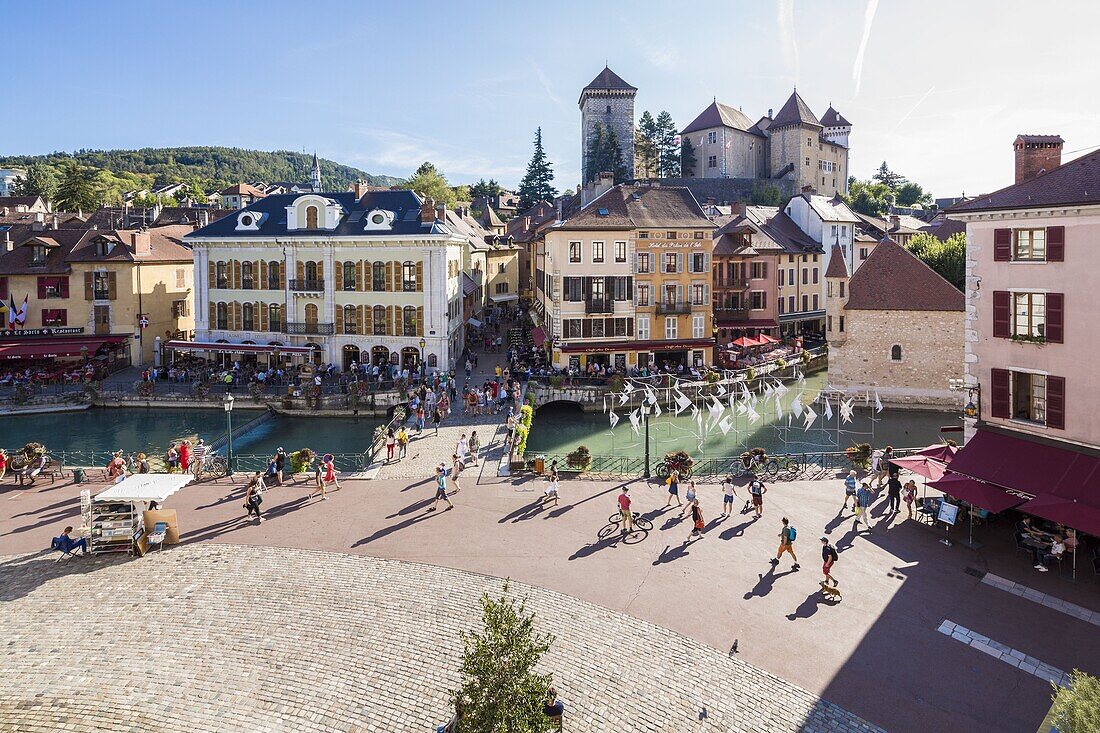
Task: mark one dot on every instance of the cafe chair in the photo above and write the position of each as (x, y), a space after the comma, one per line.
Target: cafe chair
(1021, 547)
(156, 537)
(58, 545)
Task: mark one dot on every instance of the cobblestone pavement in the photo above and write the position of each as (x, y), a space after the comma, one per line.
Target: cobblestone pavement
(224, 637)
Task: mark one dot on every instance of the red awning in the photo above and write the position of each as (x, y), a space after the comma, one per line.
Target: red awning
(746, 341)
(538, 336)
(227, 348)
(930, 468)
(1070, 512)
(1029, 467)
(982, 495)
(610, 346)
(766, 339)
(56, 348)
(721, 322)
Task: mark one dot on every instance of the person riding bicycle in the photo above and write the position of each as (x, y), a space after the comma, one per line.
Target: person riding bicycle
(624, 510)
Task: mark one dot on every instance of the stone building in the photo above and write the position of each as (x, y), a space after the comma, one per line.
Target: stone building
(894, 326)
(609, 101)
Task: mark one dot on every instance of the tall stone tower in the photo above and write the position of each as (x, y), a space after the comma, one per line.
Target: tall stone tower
(609, 101)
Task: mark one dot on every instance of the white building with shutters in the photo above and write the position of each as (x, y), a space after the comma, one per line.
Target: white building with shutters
(371, 279)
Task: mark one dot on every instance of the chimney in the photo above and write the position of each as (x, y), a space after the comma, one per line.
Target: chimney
(7, 241)
(559, 209)
(441, 212)
(141, 242)
(360, 188)
(39, 223)
(427, 211)
(809, 189)
(53, 222)
(710, 201)
(737, 208)
(526, 223)
(1036, 154)
(204, 217)
(895, 222)
(770, 115)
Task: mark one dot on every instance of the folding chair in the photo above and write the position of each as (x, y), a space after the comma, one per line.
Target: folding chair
(156, 537)
(57, 545)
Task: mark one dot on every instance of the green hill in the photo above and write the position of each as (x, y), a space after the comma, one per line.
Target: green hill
(210, 168)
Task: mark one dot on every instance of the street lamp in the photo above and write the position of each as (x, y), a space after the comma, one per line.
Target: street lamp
(227, 403)
(973, 407)
(646, 406)
(423, 365)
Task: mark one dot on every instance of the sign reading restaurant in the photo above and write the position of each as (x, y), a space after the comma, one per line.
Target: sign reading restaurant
(43, 332)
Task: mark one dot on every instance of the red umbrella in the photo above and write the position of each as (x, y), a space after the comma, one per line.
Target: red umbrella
(1070, 512)
(745, 341)
(940, 452)
(766, 339)
(930, 468)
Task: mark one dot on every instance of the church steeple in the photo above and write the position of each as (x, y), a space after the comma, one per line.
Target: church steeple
(315, 175)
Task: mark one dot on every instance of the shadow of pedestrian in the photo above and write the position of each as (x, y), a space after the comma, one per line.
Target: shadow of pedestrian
(737, 530)
(809, 607)
(385, 531)
(835, 522)
(765, 583)
(415, 506)
(671, 553)
(413, 485)
(846, 541)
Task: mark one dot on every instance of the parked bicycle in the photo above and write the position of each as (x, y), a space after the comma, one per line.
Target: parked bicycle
(639, 521)
(679, 462)
(214, 466)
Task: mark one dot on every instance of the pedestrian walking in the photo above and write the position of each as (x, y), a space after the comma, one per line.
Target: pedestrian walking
(172, 458)
(391, 443)
(893, 494)
(420, 419)
(185, 456)
(402, 442)
(849, 490)
(624, 510)
(456, 469)
(318, 480)
(462, 448)
(437, 417)
(673, 488)
(697, 523)
(329, 463)
(142, 464)
(757, 489)
(878, 468)
(787, 536)
(690, 498)
(550, 493)
(728, 492)
(475, 446)
(909, 495)
(198, 457)
(828, 557)
(280, 465)
(254, 496)
(440, 489)
(864, 497)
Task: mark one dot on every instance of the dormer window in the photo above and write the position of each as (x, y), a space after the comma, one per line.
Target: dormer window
(311, 217)
(103, 247)
(38, 254)
(377, 219)
(311, 211)
(250, 221)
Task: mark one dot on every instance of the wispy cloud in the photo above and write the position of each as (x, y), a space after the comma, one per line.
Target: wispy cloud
(662, 56)
(913, 109)
(544, 80)
(786, 34)
(392, 150)
(868, 21)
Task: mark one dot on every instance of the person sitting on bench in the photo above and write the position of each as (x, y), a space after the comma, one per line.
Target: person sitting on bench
(67, 544)
(32, 469)
(553, 708)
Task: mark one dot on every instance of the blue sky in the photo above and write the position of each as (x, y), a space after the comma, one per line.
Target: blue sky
(942, 89)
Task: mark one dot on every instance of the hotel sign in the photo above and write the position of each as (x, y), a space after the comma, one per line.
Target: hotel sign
(671, 245)
(40, 332)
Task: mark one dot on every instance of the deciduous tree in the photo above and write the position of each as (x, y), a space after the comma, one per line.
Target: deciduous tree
(948, 258)
(39, 181)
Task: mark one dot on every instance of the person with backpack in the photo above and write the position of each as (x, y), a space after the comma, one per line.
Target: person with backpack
(787, 537)
(757, 489)
(440, 489)
(697, 523)
(849, 490)
(828, 557)
(864, 497)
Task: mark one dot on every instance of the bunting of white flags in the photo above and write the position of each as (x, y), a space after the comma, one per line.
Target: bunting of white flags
(810, 417)
(828, 407)
(605, 404)
(699, 419)
(796, 405)
(634, 420)
(628, 387)
(742, 408)
(781, 390)
(801, 377)
(866, 398)
(721, 389)
(878, 402)
(651, 395)
(725, 424)
(754, 416)
(614, 419)
(682, 402)
(624, 398)
(733, 400)
(695, 413)
(779, 409)
(716, 407)
(846, 409)
(656, 408)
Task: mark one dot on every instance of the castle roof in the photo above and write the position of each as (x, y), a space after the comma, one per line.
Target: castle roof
(719, 115)
(630, 207)
(832, 118)
(893, 279)
(837, 266)
(795, 112)
(1075, 182)
(606, 80)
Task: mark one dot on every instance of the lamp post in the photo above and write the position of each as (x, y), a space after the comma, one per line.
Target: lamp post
(973, 408)
(645, 415)
(423, 365)
(227, 403)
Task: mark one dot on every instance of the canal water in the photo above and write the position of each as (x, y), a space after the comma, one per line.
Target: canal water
(559, 428)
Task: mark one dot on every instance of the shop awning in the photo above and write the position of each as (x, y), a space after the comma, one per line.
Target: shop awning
(469, 285)
(982, 495)
(1030, 467)
(1070, 512)
(146, 487)
(538, 336)
(55, 348)
(226, 348)
(473, 322)
(723, 322)
(620, 346)
(504, 298)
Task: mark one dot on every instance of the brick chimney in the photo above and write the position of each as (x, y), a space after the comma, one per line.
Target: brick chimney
(1036, 154)
(441, 212)
(895, 223)
(737, 208)
(7, 241)
(360, 189)
(427, 211)
(39, 223)
(141, 242)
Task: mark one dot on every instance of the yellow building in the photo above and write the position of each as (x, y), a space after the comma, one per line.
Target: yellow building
(111, 295)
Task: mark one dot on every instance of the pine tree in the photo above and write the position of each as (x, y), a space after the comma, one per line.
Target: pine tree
(78, 189)
(500, 691)
(537, 184)
(687, 158)
(888, 178)
(614, 156)
(668, 152)
(645, 146)
(595, 158)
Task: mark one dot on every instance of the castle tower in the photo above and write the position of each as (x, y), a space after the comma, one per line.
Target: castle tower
(837, 128)
(609, 101)
(315, 175)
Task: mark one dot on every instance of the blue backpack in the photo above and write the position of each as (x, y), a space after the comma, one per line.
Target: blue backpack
(791, 534)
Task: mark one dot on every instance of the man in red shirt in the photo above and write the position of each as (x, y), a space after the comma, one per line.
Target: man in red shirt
(624, 510)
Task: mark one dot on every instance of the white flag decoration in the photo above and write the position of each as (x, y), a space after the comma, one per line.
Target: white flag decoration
(725, 424)
(781, 390)
(779, 409)
(828, 407)
(695, 413)
(628, 387)
(846, 410)
(810, 417)
(801, 377)
(634, 420)
(682, 402)
(754, 416)
(614, 419)
(716, 407)
(656, 408)
(721, 389)
(624, 398)
(605, 404)
(878, 402)
(733, 400)
(796, 405)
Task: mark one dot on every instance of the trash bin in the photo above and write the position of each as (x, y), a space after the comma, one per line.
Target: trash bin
(540, 465)
(78, 476)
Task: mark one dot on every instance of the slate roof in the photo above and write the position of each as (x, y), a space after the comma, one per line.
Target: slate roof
(838, 267)
(641, 207)
(490, 218)
(774, 231)
(171, 215)
(830, 209)
(795, 112)
(1074, 183)
(608, 79)
(65, 246)
(946, 229)
(892, 278)
(720, 115)
(832, 118)
(405, 205)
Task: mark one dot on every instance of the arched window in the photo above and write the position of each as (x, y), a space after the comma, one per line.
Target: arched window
(311, 217)
(379, 320)
(408, 321)
(274, 276)
(895, 352)
(248, 317)
(221, 272)
(408, 277)
(351, 319)
(274, 317)
(311, 272)
(247, 281)
(378, 277)
(222, 316)
(311, 313)
(349, 276)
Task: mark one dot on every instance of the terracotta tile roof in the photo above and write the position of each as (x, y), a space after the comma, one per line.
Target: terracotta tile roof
(795, 112)
(893, 279)
(242, 189)
(946, 229)
(13, 201)
(1074, 183)
(838, 267)
(640, 207)
(720, 115)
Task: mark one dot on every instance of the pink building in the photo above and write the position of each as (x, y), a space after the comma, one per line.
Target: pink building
(1031, 333)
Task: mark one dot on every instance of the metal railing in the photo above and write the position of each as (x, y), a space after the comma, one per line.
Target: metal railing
(307, 286)
(317, 329)
(599, 305)
(679, 307)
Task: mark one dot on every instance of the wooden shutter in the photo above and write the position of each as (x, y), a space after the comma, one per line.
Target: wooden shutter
(301, 271)
(339, 317)
(262, 315)
(236, 284)
(389, 279)
(389, 319)
(360, 278)
(236, 324)
(64, 283)
(367, 319)
(629, 326)
(263, 275)
(1002, 245)
(419, 318)
(41, 288)
(339, 276)
(213, 278)
(586, 328)
(89, 293)
(420, 276)
(1001, 399)
(1056, 244)
(112, 285)
(213, 316)
(1056, 403)
(1002, 314)
(1055, 333)
(360, 311)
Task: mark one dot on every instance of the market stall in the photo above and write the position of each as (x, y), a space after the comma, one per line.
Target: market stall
(121, 517)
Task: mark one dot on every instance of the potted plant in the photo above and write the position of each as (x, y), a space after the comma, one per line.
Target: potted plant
(256, 390)
(300, 460)
(781, 362)
(757, 454)
(615, 383)
(200, 390)
(859, 454)
(143, 388)
(806, 357)
(579, 459)
(557, 381)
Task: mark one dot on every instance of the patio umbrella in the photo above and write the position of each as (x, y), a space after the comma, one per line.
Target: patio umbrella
(1070, 512)
(930, 468)
(941, 452)
(976, 494)
(745, 341)
(766, 339)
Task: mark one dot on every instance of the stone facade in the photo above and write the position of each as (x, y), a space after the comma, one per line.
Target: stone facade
(815, 161)
(614, 109)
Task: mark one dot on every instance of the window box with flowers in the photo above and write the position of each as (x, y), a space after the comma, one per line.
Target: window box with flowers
(1026, 338)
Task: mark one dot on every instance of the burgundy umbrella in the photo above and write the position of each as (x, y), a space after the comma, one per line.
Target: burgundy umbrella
(977, 493)
(930, 468)
(941, 452)
(1070, 512)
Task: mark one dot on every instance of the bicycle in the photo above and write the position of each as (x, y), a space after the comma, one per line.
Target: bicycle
(664, 470)
(756, 466)
(213, 466)
(640, 522)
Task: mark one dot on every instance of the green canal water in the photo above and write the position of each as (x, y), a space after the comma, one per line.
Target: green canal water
(559, 428)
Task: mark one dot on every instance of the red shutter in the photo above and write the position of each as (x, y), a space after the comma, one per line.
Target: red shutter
(1002, 245)
(3, 288)
(1055, 333)
(41, 288)
(1056, 402)
(999, 380)
(1056, 244)
(63, 312)
(1002, 314)
(64, 286)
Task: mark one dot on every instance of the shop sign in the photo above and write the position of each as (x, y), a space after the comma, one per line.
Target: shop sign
(40, 332)
(674, 245)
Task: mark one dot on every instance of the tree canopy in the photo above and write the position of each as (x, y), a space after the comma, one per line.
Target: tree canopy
(80, 188)
(948, 258)
(656, 151)
(429, 182)
(869, 197)
(537, 183)
(485, 188)
(1076, 707)
(39, 181)
(604, 155)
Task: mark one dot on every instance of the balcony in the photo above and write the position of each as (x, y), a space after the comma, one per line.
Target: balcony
(736, 283)
(307, 286)
(599, 305)
(310, 329)
(732, 314)
(670, 309)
